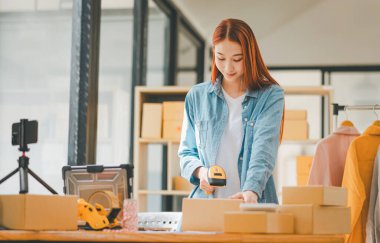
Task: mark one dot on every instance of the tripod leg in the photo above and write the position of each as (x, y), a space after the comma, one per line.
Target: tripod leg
(9, 175)
(24, 188)
(42, 182)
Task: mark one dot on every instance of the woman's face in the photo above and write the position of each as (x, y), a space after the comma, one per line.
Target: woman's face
(229, 60)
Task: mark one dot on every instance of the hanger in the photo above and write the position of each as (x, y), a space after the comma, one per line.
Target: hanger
(346, 123)
(377, 121)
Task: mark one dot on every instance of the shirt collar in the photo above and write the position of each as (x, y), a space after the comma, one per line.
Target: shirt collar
(217, 88)
(346, 130)
(373, 130)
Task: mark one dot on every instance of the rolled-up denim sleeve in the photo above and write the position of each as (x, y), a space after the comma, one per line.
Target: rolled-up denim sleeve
(266, 136)
(188, 152)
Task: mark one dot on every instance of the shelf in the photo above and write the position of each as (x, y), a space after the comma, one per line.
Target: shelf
(162, 90)
(164, 192)
(157, 140)
(301, 142)
(308, 90)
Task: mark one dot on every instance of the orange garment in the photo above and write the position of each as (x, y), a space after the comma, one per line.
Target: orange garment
(330, 157)
(357, 179)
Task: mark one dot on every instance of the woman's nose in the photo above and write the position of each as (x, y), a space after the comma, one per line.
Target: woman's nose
(229, 67)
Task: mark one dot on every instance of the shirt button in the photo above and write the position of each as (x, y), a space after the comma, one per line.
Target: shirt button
(241, 158)
(251, 124)
(246, 119)
(245, 107)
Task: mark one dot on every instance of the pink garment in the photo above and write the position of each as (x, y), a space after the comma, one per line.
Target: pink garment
(330, 157)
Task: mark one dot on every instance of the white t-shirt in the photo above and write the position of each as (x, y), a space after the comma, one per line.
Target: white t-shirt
(230, 146)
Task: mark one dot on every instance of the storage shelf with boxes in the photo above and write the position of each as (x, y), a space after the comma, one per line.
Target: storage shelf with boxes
(158, 121)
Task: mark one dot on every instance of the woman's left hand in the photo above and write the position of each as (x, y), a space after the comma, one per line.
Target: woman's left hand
(247, 196)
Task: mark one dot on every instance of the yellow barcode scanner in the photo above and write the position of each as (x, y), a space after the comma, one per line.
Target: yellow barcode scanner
(216, 176)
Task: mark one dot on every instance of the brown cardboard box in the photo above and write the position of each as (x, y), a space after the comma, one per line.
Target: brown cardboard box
(303, 169)
(309, 219)
(181, 184)
(318, 195)
(295, 115)
(151, 120)
(295, 130)
(38, 212)
(173, 110)
(206, 214)
(172, 129)
(258, 222)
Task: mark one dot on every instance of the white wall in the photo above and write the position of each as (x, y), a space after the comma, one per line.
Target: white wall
(330, 33)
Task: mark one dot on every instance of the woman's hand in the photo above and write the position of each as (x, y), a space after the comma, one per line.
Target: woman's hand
(201, 173)
(247, 196)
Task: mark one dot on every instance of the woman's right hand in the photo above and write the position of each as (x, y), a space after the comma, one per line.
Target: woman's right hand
(201, 174)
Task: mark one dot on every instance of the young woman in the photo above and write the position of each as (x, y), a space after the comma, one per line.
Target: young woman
(235, 121)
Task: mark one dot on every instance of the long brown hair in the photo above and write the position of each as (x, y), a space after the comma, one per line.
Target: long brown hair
(255, 72)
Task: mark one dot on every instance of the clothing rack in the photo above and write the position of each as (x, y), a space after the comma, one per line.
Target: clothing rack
(337, 108)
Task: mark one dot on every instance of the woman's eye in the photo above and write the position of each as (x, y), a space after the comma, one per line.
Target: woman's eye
(221, 59)
(238, 60)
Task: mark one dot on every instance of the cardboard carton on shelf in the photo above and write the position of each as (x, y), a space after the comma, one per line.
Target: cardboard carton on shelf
(258, 222)
(38, 212)
(313, 219)
(210, 211)
(317, 195)
(151, 120)
(172, 129)
(295, 115)
(173, 110)
(303, 169)
(295, 130)
(181, 184)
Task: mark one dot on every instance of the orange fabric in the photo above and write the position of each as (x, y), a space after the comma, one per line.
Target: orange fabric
(357, 179)
(330, 157)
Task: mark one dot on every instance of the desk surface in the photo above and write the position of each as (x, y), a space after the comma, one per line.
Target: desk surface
(93, 236)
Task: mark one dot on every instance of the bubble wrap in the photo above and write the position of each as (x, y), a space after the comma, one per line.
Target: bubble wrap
(130, 219)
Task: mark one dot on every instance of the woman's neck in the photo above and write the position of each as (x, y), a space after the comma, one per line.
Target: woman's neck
(233, 89)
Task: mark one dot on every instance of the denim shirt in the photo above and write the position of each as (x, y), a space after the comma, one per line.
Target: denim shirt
(206, 114)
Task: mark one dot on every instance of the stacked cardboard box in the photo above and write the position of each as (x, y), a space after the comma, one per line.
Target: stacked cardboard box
(162, 120)
(151, 120)
(303, 169)
(295, 125)
(317, 209)
(259, 222)
(173, 117)
(38, 212)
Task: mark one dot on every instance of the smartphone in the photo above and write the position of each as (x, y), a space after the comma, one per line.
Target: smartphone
(30, 132)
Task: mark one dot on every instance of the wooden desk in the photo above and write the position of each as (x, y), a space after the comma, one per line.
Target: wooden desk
(93, 236)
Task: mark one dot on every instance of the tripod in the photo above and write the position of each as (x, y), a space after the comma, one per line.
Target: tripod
(20, 135)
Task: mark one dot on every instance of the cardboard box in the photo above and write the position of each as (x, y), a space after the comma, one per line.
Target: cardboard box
(295, 130)
(295, 115)
(181, 184)
(151, 120)
(317, 195)
(172, 129)
(38, 212)
(303, 169)
(302, 180)
(313, 219)
(173, 110)
(206, 214)
(258, 222)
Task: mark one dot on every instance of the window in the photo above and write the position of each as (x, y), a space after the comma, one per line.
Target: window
(35, 53)
(115, 70)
